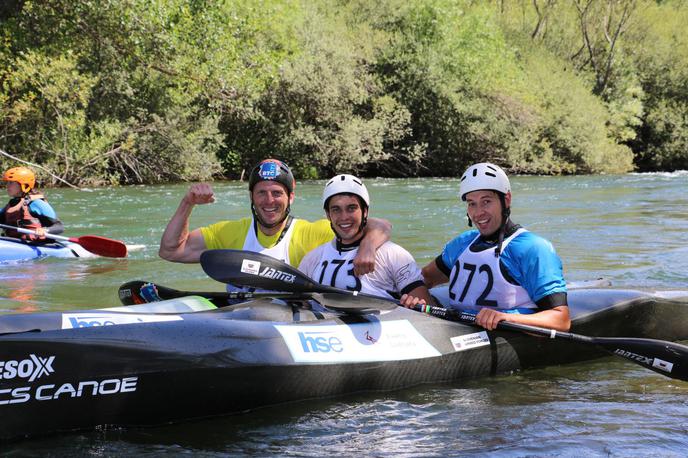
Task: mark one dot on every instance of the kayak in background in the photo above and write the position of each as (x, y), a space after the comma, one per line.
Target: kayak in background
(17, 250)
(13, 250)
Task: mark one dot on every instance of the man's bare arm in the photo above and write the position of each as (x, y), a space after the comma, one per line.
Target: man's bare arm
(432, 275)
(177, 243)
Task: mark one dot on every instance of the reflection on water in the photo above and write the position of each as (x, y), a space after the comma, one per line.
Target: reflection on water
(55, 284)
(631, 229)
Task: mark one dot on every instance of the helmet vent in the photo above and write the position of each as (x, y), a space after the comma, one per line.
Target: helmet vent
(345, 184)
(484, 176)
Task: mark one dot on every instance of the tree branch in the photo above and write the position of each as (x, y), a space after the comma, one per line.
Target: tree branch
(40, 167)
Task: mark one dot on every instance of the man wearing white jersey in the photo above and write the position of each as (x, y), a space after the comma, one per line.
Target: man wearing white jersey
(346, 202)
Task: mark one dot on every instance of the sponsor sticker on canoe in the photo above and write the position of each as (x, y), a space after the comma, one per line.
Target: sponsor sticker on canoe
(68, 391)
(30, 368)
(660, 364)
(359, 342)
(89, 320)
(275, 274)
(468, 341)
(647, 361)
(249, 266)
(30, 372)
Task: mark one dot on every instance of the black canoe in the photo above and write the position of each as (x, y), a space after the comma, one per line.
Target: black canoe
(184, 358)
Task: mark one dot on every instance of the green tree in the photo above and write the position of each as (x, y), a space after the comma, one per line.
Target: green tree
(326, 112)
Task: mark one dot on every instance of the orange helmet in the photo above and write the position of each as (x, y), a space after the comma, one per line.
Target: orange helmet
(22, 175)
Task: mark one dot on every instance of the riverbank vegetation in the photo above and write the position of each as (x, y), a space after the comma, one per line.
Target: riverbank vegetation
(140, 91)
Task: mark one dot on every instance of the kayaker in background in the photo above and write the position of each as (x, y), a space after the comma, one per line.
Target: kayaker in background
(501, 270)
(346, 203)
(27, 207)
(271, 230)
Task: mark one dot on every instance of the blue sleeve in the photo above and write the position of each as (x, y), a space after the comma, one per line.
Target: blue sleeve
(534, 264)
(453, 249)
(40, 207)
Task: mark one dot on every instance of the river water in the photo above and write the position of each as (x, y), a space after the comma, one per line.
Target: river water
(631, 229)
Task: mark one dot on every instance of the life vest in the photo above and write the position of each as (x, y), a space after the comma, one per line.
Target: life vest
(279, 251)
(477, 281)
(19, 215)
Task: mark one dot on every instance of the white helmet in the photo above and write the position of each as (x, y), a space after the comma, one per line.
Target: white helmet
(484, 176)
(348, 184)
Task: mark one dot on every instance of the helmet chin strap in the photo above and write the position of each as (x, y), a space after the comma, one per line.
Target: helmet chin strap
(502, 228)
(263, 223)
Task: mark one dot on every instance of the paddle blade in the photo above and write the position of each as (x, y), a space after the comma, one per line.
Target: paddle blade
(667, 358)
(101, 246)
(256, 270)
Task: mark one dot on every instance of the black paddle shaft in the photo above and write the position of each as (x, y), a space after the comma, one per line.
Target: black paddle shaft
(131, 293)
(143, 292)
(666, 358)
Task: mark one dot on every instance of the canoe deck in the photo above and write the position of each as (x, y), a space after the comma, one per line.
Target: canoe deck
(185, 358)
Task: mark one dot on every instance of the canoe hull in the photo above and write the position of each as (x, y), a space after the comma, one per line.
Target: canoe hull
(74, 370)
(82, 381)
(14, 250)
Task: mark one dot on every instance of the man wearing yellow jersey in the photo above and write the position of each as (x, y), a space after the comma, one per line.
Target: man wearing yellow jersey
(271, 230)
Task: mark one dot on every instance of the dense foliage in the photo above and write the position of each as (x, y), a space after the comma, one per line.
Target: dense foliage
(144, 91)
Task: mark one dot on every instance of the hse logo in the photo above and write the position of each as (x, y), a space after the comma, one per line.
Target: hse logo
(370, 341)
(320, 342)
(31, 368)
(90, 320)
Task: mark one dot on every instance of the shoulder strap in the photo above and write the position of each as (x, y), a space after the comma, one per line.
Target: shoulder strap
(285, 229)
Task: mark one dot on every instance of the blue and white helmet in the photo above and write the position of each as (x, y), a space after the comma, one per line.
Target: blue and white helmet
(484, 176)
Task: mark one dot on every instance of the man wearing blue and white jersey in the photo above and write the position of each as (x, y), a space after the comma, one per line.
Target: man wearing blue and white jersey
(500, 270)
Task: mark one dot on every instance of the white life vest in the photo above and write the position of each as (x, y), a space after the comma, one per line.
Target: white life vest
(280, 251)
(337, 269)
(476, 281)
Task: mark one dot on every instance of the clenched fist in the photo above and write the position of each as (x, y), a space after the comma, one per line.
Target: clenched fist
(200, 194)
